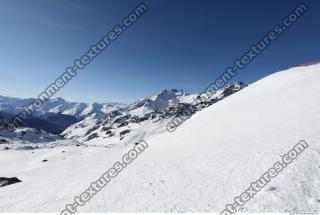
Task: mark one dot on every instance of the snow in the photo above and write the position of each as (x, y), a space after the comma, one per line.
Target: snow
(147, 126)
(57, 105)
(209, 159)
(143, 118)
(21, 137)
(141, 111)
(81, 128)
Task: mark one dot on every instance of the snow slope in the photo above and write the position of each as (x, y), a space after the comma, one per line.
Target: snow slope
(212, 157)
(142, 119)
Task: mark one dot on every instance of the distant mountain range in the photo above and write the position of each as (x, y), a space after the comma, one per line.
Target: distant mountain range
(109, 123)
(143, 118)
(56, 114)
(106, 123)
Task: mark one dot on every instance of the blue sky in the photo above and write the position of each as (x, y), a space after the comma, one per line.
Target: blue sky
(177, 44)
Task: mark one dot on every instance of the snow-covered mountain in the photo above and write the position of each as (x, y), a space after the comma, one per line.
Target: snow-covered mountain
(23, 137)
(56, 114)
(143, 118)
(14, 106)
(162, 100)
(110, 123)
(211, 158)
(107, 123)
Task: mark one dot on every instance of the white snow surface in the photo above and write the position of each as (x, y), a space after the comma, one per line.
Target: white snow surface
(208, 160)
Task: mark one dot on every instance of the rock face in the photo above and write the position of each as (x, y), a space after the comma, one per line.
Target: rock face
(143, 118)
(8, 181)
(4, 121)
(3, 141)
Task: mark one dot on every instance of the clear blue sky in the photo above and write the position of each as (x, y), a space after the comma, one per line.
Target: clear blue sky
(180, 44)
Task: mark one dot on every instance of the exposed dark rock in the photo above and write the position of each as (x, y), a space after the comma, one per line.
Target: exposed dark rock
(111, 135)
(122, 119)
(109, 132)
(122, 133)
(123, 124)
(3, 141)
(106, 128)
(92, 136)
(140, 119)
(8, 181)
(27, 148)
(114, 114)
(92, 129)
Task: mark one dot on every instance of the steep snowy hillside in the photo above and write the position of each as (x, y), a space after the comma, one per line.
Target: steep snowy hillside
(217, 153)
(200, 167)
(142, 119)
